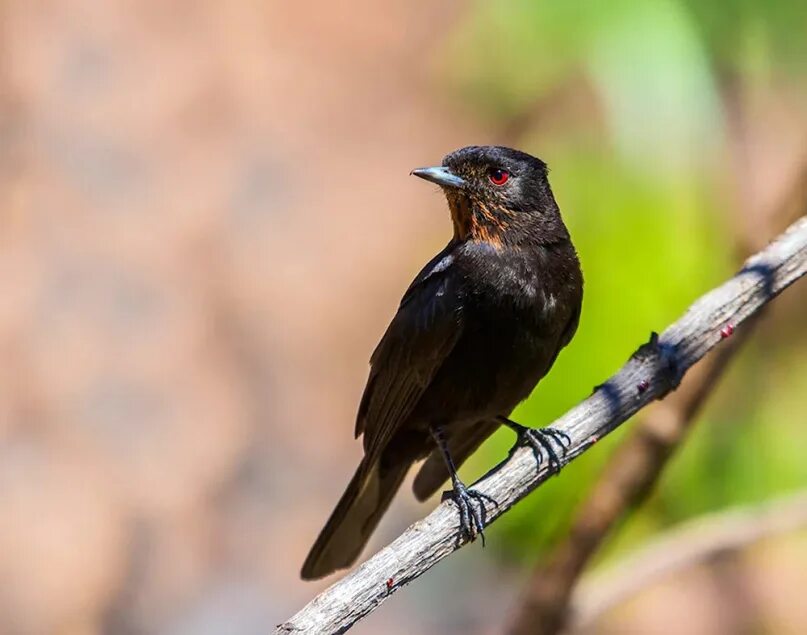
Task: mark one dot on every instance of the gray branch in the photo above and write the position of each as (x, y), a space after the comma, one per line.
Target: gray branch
(652, 372)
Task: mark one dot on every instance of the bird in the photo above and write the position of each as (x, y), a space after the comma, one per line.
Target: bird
(477, 329)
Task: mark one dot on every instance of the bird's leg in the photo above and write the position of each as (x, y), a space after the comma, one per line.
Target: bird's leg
(541, 441)
(471, 503)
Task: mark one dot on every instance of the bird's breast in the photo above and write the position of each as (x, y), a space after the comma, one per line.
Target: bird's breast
(516, 305)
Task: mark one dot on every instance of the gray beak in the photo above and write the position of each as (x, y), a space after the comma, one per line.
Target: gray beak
(440, 175)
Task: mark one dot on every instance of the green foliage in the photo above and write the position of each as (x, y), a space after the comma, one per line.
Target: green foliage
(747, 35)
(508, 54)
(642, 192)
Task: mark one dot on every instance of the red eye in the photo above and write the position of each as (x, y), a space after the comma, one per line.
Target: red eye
(498, 177)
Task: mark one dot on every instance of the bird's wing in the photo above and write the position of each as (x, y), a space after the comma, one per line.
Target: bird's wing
(418, 340)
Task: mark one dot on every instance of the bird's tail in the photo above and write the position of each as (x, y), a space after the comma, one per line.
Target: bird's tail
(356, 515)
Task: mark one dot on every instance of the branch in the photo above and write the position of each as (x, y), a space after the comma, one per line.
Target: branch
(627, 480)
(651, 373)
(680, 548)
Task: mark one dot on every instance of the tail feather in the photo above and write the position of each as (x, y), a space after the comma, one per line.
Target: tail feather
(355, 517)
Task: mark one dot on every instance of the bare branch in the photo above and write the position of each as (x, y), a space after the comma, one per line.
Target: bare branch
(687, 545)
(626, 481)
(652, 372)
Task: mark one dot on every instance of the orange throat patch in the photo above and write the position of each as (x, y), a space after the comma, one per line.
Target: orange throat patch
(473, 219)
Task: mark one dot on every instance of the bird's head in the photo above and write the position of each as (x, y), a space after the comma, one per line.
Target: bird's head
(498, 195)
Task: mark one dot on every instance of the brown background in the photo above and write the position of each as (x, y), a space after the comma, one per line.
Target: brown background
(206, 222)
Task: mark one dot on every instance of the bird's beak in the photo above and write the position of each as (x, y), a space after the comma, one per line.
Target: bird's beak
(440, 175)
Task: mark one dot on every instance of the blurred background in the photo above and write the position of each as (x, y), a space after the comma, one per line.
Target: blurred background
(206, 222)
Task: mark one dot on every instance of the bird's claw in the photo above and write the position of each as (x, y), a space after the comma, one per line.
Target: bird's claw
(473, 513)
(541, 441)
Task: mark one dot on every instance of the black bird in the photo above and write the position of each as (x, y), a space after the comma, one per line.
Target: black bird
(477, 329)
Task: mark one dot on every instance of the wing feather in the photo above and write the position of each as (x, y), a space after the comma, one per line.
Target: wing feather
(418, 340)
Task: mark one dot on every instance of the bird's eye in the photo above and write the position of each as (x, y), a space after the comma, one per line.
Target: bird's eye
(498, 177)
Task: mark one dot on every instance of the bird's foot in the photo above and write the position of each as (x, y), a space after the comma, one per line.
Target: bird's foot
(473, 513)
(547, 442)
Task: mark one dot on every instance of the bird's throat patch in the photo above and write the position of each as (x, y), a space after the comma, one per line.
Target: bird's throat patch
(476, 220)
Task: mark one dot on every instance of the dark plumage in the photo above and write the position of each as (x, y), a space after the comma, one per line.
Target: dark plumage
(477, 329)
